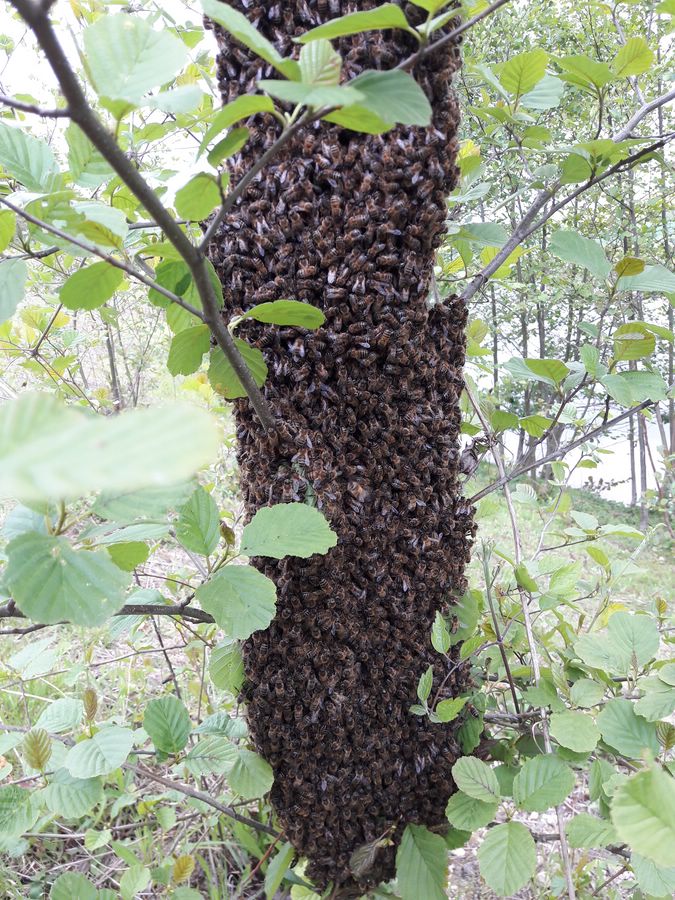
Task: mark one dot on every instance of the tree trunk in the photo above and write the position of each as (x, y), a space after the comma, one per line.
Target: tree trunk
(368, 413)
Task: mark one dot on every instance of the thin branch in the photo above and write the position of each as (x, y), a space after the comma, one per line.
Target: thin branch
(644, 111)
(451, 36)
(101, 254)
(204, 798)
(34, 109)
(529, 632)
(563, 451)
(10, 611)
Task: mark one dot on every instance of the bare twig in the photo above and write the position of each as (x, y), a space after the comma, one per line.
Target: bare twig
(564, 450)
(19, 105)
(204, 798)
(101, 254)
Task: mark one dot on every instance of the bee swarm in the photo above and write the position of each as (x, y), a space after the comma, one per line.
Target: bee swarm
(368, 413)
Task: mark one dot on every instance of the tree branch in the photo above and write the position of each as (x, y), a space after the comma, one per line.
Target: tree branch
(451, 36)
(563, 451)
(36, 17)
(101, 254)
(34, 109)
(191, 613)
(204, 798)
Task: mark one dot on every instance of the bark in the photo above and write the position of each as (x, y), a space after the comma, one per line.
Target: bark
(368, 424)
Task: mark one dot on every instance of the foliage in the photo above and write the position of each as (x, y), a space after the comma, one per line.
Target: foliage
(559, 238)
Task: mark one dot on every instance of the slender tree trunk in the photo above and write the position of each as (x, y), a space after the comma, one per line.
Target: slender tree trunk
(368, 427)
(633, 468)
(642, 447)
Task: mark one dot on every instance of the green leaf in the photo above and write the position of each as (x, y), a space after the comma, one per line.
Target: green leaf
(634, 58)
(212, 755)
(524, 579)
(476, 779)
(586, 693)
(643, 813)
(175, 276)
(240, 599)
(656, 881)
(636, 637)
(618, 389)
(421, 865)
(135, 879)
(627, 732)
(167, 723)
(18, 811)
(572, 247)
(590, 832)
(424, 684)
(550, 371)
(91, 287)
(126, 57)
(226, 667)
(630, 640)
(658, 701)
(13, 275)
(633, 340)
(440, 636)
(277, 868)
(309, 94)
(48, 450)
(72, 797)
(86, 164)
(240, 108)
(188, 349)
(543, 782)
(287, 529)
(229, 145)
(382, 17)
(51, 582)
(101, 754)
(546, 95)
(393, 96)
(28, 160)
(447, 710)
(198, 198)
(287, 312)
(575, 730)
(222, 376)
(183, 99)
(522, 72)
(198, 526)
(7, 228)
(61, 716)
(653, 279)
(582, 71)
(320, 64)
(507, 858)
(72, 886)
(246, 33)
(129, 555)
(629, 265)
(468, 814)
(251, 776)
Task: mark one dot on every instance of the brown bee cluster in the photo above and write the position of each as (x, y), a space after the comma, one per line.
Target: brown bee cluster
(368, 413)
